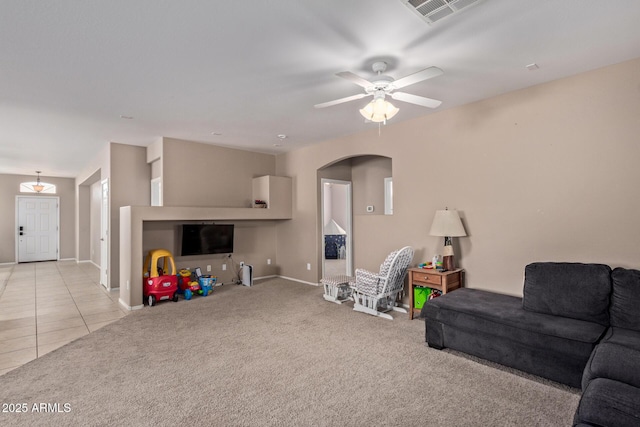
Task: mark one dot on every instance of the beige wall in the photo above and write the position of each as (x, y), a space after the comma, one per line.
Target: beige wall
(96, 170)
(130, 185)
(126, 169)
(10, 188)
(368, 174)
(196, 174)
(546, 173)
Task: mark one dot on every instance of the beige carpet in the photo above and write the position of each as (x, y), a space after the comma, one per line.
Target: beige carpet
(274, 354)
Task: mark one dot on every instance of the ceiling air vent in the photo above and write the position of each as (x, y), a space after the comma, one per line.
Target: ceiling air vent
(434, 10)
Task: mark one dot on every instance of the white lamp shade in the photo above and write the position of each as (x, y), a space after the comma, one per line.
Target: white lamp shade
(447, 223)
(379, 110)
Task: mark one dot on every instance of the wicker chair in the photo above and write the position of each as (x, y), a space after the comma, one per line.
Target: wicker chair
(377, 293)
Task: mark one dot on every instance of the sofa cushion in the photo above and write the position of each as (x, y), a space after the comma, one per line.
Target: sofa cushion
(624, 337)
(578, 291)
(614, 362)
(495, 327)
(625, 299)
(609, 403)
(498, 314)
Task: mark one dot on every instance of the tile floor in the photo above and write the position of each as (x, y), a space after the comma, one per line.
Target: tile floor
(45, 305)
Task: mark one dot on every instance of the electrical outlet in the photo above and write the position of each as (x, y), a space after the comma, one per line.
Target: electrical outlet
(224, 267)
(269, 261)
(308, 266)
(241, 264)
(208, 268)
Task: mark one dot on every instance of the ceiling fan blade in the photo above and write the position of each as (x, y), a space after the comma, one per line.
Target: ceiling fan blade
(354, 78)
(419, 76)
(341, 100)
(415, 99)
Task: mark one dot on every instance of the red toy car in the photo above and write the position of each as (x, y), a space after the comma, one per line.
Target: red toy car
(159, 283)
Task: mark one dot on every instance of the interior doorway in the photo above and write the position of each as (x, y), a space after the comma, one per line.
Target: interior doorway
(37, 228)
(337, 252)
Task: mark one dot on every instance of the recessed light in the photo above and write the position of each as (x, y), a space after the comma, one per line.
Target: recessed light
(532, 67)
(282, 136)
(216, 133)
(126, 117)
(277, 145)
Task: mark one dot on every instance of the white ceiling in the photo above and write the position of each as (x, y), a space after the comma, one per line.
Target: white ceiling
(250, 70)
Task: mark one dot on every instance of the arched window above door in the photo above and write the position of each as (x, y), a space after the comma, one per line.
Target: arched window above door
(30, 187)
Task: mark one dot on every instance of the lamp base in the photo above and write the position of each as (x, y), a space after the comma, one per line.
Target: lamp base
(448, 263)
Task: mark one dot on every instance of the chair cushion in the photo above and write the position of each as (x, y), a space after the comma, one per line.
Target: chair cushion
(625, 299)
(367, 282)
(386, 265)
(578, 291)
(338, 280)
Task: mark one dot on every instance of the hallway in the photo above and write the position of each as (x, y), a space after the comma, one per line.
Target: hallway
(45, 305)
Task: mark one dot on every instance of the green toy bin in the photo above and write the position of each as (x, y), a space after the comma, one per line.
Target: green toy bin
(420, 296)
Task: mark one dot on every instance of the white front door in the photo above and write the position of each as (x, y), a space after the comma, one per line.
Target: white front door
(37, 228)
(104, 235)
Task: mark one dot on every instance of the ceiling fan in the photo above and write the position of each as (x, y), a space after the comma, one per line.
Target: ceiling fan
(379, 109)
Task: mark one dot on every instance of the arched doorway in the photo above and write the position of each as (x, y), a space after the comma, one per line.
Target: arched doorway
(350, 188)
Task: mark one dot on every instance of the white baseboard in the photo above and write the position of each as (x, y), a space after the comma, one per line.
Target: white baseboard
(7, 263)
(128, 307)
(89, 261)
(300, 281)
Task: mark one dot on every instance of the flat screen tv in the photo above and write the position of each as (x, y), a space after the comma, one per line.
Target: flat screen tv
(204, 239)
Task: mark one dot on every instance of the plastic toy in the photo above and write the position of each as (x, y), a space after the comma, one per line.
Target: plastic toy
(190, 289)
(431, 266)
(206, 285)
(186, 286)
(159, 283)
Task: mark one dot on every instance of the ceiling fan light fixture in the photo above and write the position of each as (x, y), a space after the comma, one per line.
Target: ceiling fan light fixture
(379, 110)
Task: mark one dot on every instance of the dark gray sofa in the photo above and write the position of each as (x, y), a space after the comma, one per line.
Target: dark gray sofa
(611, 380)
(574, 325)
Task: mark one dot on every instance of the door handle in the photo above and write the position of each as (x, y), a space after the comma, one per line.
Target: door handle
(21, 233)
(21, 228)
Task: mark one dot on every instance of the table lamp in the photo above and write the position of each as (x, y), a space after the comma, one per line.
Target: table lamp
(447, 224)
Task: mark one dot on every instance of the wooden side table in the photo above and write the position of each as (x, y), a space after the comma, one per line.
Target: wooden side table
(443, 281)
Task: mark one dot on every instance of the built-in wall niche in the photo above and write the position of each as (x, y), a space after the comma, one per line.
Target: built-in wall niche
(254, 243)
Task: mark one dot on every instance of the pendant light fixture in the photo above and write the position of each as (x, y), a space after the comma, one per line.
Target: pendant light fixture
(38, 187)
